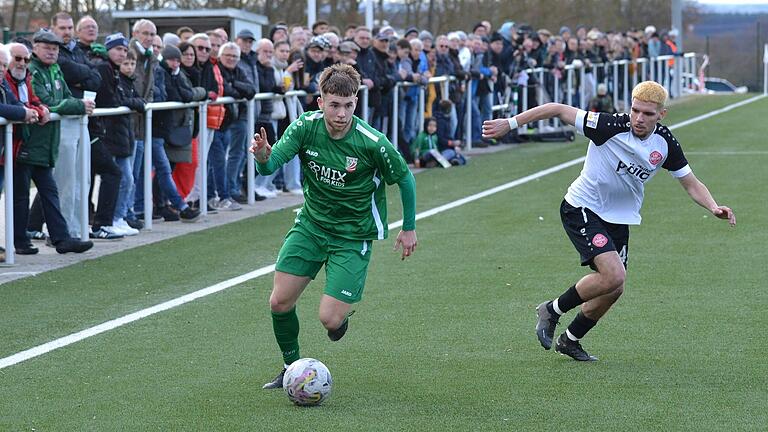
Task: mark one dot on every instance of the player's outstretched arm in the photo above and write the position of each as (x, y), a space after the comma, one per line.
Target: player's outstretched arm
(406, 239)
(701, 195)
(497, 128)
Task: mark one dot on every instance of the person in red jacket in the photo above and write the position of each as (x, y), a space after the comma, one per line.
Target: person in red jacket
(19, 80)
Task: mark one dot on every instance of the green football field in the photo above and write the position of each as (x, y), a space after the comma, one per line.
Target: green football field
(441, 341)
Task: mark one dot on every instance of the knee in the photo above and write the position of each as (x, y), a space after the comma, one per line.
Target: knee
(330, 320)
(613, 280)
(618, 292)
(279, 305)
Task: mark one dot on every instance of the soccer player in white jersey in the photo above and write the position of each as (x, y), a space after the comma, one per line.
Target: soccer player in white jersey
(347, 165)
(625, 151)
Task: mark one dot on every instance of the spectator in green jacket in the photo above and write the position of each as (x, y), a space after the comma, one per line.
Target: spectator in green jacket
(37, 155)
(428, 145)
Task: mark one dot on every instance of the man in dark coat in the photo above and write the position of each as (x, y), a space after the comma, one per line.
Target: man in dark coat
(112, 141)
(238, 86)
(37, 155)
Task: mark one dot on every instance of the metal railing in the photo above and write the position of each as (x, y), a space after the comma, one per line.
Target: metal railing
(443, 81)
(617, 74)
(620, 76)
(150, 108)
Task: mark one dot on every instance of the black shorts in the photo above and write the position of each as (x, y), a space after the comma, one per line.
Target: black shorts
(592, 236)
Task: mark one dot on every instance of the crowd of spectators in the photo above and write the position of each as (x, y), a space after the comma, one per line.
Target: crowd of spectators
(64, 70)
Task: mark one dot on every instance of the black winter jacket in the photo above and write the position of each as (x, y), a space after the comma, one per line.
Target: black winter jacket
(247, 64)
(116, 132)
(237, 85)
(178, 89)
(79, 72)
(267, 85)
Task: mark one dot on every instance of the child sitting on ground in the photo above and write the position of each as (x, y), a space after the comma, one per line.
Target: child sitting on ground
(428, 141)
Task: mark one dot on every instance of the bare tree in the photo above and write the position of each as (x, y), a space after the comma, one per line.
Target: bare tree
(13, 14)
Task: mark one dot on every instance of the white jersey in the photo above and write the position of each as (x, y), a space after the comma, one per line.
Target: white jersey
(618, 164)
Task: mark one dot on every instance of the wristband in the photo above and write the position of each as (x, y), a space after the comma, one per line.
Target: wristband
(512, 123)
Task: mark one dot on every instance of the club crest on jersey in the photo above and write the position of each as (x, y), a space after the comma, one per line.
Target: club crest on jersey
(351, 164)
(655, 158)
(592, 119)
(599, 240)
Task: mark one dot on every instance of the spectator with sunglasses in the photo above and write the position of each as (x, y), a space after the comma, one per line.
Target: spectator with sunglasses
(11, 107)
(20, 82)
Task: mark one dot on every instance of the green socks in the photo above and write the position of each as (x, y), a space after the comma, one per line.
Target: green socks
(286, 327)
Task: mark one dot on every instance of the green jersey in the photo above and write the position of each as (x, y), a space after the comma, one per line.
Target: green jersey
(344, 179)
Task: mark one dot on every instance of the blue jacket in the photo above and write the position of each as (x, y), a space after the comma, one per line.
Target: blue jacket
(10, 109)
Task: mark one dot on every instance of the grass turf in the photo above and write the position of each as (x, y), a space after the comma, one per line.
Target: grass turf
(441, 341)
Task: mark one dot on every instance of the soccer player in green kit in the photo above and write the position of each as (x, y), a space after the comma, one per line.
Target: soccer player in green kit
(346, 164)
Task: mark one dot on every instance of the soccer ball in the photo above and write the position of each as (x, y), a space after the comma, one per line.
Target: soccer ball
(307, 382)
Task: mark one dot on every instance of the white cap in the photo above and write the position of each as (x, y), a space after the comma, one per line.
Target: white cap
(674, 33)
(650, 29)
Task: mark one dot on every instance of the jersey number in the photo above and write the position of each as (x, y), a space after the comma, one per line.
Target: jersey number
(623, 254)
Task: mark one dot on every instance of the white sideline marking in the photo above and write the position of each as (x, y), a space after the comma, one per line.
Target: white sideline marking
(716, 112)
(22, 273)
(109, 325)
(221, 286)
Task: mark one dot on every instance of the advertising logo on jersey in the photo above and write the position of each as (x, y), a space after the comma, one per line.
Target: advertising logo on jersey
(351, 164)
(599, 240)
(655, 158)
(329, 176)
(592, 118)
(638, 171)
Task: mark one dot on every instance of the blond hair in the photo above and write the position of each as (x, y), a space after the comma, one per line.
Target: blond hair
(650, 91)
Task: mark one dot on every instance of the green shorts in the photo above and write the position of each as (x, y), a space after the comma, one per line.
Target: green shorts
(306, 248)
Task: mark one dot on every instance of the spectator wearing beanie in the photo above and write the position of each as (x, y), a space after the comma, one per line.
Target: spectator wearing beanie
(110, 140)
(171, 39)
(278, 32)
(411, 33)
(480, 29)
(426, 39)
